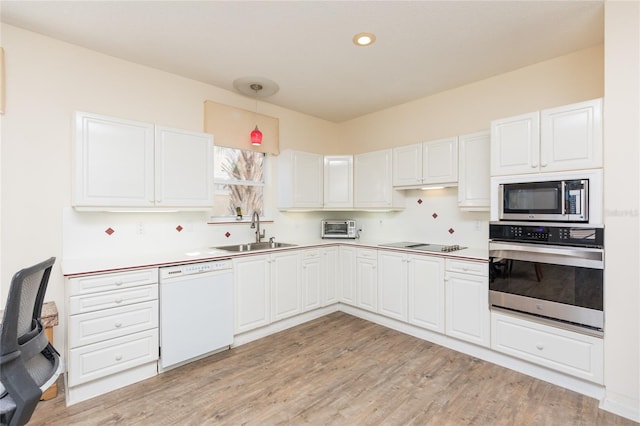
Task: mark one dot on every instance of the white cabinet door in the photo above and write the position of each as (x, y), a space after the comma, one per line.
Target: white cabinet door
(474, 176)
(114, 162)
(300, 177)
(252, 296)
(348, 275)
(330, 270)
(407, 165)
(338, 181)
(373, 181)
(426, 292)
(183, 168)
(571, 137)
(392, 284)
(367, 280)
(467, 307)
(311, 280)
(515, 144)
(286, 297)
(440, 161)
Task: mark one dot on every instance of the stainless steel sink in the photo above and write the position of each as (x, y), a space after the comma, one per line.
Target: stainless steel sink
(265, 245)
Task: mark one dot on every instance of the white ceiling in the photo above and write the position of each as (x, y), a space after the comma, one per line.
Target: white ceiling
(422, 47)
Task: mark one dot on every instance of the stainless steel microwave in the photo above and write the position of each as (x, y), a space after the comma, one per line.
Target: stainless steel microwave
(546, 201)
(343, 228)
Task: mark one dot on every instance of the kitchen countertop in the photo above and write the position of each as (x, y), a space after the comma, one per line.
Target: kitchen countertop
(83, 266)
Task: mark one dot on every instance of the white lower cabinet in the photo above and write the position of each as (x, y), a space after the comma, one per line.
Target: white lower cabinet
(267, 289)
(425, 277)
(112, 336)
(467, 301)
(392, 284)
(311, 279)
(251, 292)
(348, 275)
(367, 279)
(572, 353)
(330, 275)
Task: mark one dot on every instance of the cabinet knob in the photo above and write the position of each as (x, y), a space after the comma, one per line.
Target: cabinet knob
(119, 357)
(118, 324)
(118, 300)
(539, 346)
(118, 283)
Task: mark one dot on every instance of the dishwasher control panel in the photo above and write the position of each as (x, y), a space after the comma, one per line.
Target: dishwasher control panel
(195, 268)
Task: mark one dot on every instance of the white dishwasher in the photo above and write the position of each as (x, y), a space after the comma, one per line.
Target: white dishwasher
(196, 311)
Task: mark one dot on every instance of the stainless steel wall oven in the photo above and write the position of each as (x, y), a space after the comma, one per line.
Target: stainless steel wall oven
(552, 272)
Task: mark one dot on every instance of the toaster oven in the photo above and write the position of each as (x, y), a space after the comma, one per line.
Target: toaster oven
(342, 228)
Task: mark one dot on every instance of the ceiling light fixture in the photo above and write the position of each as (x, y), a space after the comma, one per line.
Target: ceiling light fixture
(364, 39)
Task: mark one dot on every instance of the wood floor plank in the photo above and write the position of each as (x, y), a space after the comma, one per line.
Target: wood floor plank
(336, 370)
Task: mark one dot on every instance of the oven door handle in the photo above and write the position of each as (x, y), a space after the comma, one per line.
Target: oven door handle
(559, 255)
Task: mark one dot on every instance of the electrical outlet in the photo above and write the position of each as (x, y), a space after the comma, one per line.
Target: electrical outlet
(140, 228)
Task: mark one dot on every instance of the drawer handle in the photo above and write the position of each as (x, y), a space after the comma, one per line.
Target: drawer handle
(119, 357)
(539, 346)
(118, 324)
(118, 300)
(118, 283)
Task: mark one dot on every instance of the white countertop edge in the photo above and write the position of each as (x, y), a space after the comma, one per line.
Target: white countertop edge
(108, 264)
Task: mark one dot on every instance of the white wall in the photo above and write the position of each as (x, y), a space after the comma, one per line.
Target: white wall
(622, 203)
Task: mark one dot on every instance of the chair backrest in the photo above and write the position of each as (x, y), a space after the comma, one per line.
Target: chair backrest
(23, 344)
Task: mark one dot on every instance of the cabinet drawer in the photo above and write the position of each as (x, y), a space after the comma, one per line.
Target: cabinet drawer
(112, 299)
(114, 281)
(93, 327)
(566, 351)
(367, 253)
(467, 267)
(310, 254)
(105, 358)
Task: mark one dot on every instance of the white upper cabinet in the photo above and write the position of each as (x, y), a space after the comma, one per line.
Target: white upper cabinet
(338, 181)
(113, 162)
(571, 137)
(184, 170)
(300, 180)
(373, 181)
(473, 171)
(128, 164)
(407, 165)
(557, 139)
(427, 163)
(440, 161)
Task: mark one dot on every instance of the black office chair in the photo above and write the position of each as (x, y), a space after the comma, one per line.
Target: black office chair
(28, 362)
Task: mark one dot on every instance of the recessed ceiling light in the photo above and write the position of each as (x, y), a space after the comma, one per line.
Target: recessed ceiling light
(364, 39)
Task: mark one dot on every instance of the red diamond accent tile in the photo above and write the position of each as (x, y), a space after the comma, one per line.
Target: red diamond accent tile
(419, 200)
(179, 228)
(435, 215)
(451, 230)
(109, 231)
(227, 235)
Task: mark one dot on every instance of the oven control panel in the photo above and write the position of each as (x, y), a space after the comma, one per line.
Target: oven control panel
(545, 234)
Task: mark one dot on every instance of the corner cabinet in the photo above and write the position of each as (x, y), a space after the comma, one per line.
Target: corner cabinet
(372, 182)
(338, 181)
(129, 164)
(565, 138)
(473, 171)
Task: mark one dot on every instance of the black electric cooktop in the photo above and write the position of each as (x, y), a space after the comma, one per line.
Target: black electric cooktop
(425, 246)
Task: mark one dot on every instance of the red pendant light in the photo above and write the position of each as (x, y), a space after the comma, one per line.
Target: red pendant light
(256, 137)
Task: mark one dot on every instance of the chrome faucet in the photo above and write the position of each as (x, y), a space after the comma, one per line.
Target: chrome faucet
(255, 223)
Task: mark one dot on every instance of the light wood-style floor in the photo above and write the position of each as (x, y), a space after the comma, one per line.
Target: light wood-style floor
(337, 370)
